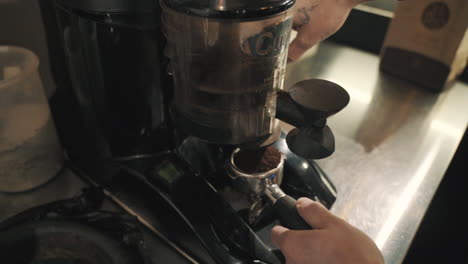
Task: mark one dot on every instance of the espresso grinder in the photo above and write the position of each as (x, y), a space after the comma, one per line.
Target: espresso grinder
(228, 60)
(230, 173)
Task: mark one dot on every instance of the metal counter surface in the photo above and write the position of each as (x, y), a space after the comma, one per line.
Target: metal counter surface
(394, 143)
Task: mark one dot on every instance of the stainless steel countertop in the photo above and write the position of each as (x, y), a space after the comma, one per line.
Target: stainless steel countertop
(394, 143)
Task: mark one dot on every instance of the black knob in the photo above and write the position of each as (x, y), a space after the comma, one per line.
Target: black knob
(311, 142)
(307, 106)
(319, 99)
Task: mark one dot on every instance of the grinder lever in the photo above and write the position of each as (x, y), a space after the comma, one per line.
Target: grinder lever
(285, 208)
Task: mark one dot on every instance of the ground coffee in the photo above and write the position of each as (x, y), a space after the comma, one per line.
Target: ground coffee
(258, 160)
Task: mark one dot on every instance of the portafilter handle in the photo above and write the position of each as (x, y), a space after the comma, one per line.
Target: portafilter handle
(285, 208)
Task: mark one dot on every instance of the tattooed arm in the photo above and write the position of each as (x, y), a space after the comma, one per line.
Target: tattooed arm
(316, 20)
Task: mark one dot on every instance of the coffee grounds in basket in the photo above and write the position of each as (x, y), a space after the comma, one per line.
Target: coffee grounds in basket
(258, 160)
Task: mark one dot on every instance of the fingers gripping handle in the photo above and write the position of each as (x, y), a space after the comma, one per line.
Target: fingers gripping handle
(285, 208)
(288, 215)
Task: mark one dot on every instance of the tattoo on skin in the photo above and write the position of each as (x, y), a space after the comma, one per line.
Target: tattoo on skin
(304, 16)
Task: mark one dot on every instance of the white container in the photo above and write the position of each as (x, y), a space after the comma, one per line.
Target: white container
(30, 152)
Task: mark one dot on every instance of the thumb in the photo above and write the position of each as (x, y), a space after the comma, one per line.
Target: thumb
(278, 235)
(315, 214)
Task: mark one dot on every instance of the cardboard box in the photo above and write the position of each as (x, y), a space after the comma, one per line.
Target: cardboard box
(427, 42)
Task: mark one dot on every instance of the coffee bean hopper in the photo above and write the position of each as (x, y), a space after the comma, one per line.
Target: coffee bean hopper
(213, 100)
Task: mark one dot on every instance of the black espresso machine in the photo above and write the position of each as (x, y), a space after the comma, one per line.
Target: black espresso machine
(174, 108)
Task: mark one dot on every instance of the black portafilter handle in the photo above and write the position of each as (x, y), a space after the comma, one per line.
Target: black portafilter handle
(307, 106)
(286, 209)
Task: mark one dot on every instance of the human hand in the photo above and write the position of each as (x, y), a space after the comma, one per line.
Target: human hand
(316, 20)
(333, 241)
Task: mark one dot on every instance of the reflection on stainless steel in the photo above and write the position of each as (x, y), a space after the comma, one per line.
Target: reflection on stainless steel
(255, 183)
(220, 5)
(274, 192)
(394, 143)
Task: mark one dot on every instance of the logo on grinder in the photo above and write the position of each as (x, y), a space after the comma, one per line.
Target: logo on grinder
(270, 42)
